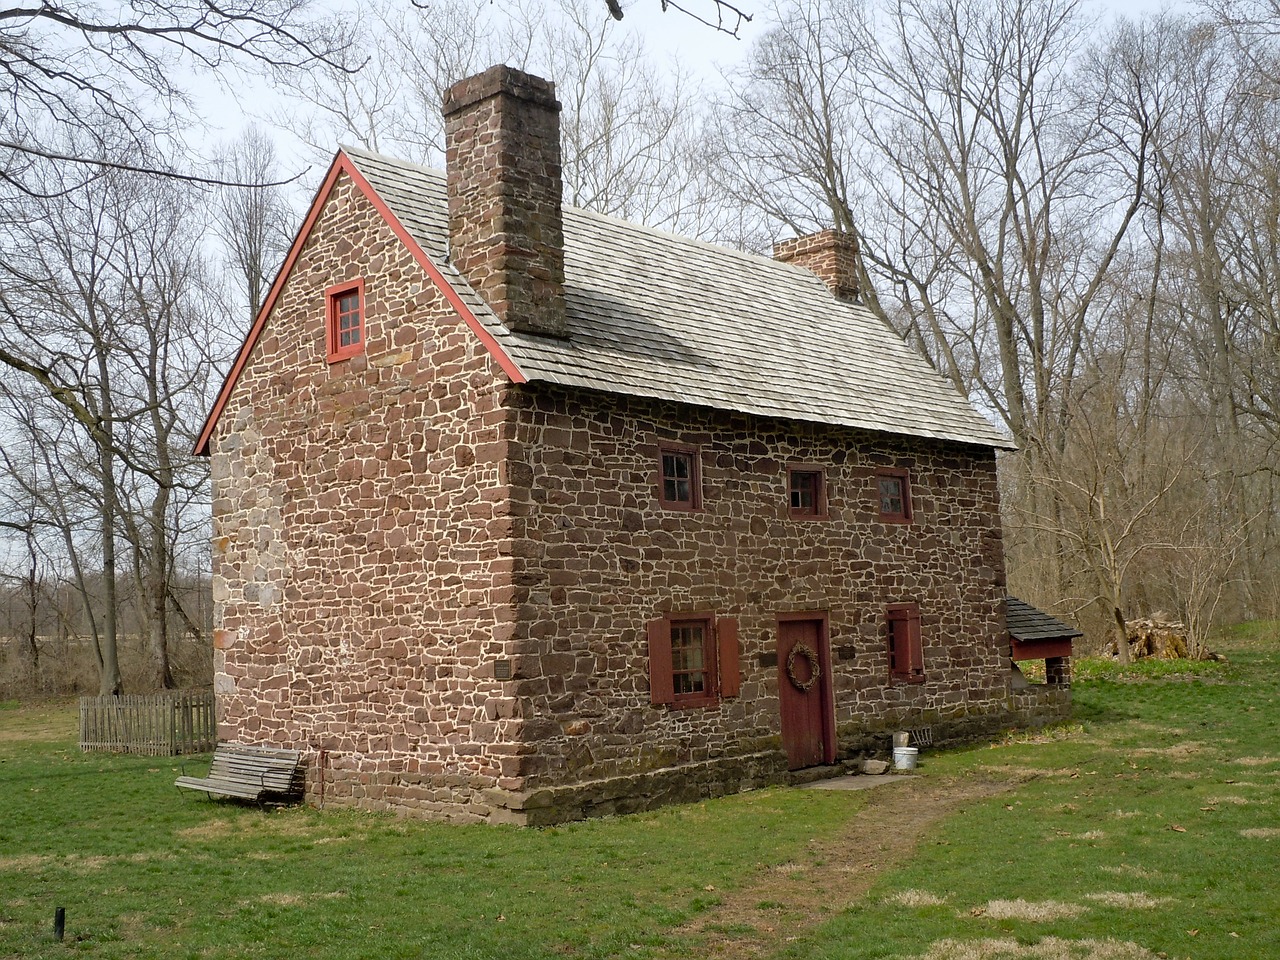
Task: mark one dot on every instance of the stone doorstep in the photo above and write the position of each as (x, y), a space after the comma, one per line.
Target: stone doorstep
(855, 781)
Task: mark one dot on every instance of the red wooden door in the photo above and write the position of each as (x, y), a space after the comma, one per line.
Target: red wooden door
(802, 660)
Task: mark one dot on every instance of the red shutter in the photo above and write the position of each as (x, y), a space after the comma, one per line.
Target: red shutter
(913, 637)
(730, 677)
(906, 654)
(661, 687)
(899, 655)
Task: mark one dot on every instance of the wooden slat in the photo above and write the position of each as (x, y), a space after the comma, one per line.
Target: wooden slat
(248, 772)
(159, 725)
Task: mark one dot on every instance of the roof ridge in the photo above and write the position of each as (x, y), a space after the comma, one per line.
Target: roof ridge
(587, 213)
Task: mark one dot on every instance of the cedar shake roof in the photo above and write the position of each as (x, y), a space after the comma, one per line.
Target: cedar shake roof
(651, 314)
(1026, 623)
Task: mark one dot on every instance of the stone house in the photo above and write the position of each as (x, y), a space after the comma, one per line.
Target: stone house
(526, 513)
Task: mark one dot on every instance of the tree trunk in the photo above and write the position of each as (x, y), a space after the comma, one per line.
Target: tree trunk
(1121, 631)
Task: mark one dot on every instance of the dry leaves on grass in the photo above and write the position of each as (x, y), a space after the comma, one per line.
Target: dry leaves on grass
(1256, 761)
(915, 898)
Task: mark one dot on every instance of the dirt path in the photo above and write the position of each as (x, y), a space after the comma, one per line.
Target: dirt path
(789, 899)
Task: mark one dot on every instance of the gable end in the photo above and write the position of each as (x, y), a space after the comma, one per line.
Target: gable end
(342, 164)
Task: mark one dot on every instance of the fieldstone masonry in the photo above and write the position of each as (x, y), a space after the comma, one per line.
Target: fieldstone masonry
(502, 151)
(437, 582)
(830, 254)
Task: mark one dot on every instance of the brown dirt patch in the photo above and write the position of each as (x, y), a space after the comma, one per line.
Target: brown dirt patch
(1128, 901)
(209, 830)
(784, 902)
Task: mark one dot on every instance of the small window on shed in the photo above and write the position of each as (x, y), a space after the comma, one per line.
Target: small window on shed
(344, 321)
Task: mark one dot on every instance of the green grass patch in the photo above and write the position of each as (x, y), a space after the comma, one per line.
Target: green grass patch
(146, 871)
(1152, 820)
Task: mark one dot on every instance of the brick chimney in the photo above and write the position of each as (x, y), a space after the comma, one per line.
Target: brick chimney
(502, 152)
(830, 254)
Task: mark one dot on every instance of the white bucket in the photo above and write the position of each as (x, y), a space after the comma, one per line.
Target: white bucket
(904, 758)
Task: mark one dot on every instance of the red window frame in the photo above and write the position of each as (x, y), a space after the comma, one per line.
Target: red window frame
(903, 478)
(341, 322)
(800, 475)
(906, 649)
(669, 456)
(721, 677)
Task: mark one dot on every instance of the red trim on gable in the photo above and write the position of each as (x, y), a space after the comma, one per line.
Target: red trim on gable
(343, 164)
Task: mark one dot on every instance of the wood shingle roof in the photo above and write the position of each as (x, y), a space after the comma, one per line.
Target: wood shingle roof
(1026, 623)
(655, 315)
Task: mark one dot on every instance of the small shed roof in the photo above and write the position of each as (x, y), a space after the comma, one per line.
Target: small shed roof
(1026, 623)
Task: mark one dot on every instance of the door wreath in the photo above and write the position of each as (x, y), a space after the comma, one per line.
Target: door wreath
(815, 671)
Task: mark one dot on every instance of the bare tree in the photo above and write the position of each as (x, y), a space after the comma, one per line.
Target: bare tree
(104, 77)
(252, 222)
(95, 298)
(631, 131)
(717, 14)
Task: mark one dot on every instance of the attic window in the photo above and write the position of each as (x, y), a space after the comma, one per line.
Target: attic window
(893, 493)
(679, 478)
(806, 492)
(344, 321)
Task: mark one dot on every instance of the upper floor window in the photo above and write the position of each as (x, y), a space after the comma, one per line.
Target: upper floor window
(344, 321)
(806, 491)
(679, 478)
(893, 490)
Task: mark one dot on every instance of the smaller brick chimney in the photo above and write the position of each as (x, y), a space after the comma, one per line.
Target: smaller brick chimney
(830, 254)
(506, 236)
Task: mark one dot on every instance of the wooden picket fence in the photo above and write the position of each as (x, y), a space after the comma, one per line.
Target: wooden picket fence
(163, 725)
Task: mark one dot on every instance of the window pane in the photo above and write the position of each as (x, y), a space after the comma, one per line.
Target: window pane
(348, 315)
(891, 495)
(677, 478)
(687, 663)
(805, 485)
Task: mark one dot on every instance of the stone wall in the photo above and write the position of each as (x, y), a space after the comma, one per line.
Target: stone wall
(597, 559)
(361, 548)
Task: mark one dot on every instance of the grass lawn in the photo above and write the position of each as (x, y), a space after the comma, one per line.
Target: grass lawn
(1152, 822)
(1149, 828)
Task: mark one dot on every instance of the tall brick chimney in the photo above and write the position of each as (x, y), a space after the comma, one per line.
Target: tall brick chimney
(502, 152)
(831, 254)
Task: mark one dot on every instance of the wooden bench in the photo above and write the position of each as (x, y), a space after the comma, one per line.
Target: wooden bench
(250, 773)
